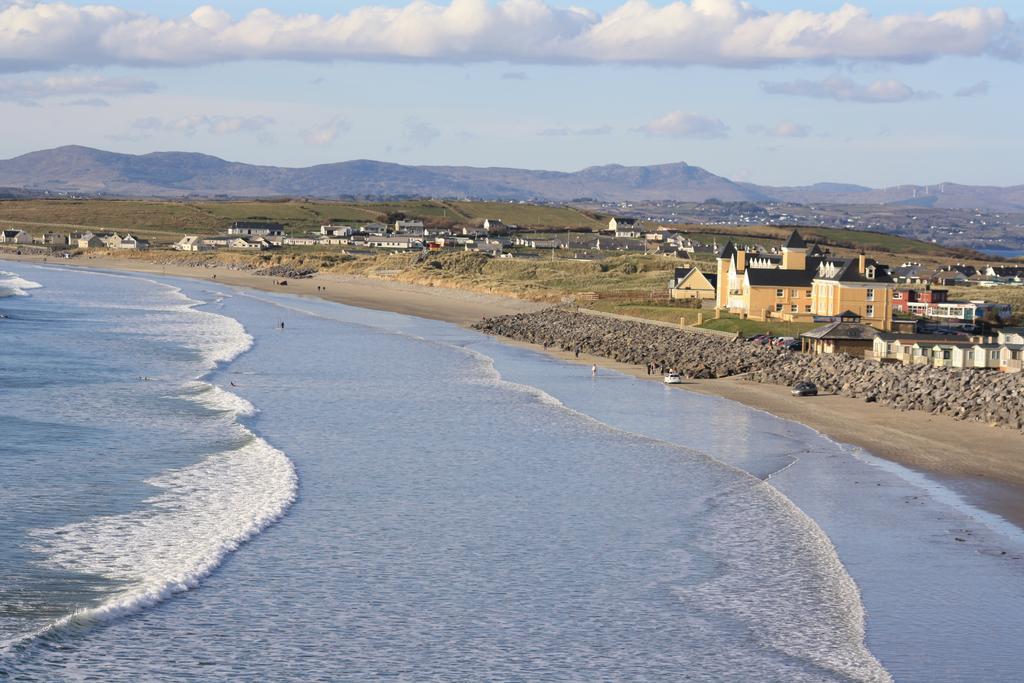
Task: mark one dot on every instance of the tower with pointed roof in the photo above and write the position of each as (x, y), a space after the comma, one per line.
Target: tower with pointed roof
(724, 260)
(794, 252)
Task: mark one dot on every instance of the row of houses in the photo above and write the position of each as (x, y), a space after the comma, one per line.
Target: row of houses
(76, 240)
(1000, 350)
(959, 274)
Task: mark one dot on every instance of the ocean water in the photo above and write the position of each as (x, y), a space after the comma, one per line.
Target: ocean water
(189, 491)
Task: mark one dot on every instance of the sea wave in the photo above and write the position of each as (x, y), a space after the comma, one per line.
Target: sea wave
(202, 513)
(12, 284)
(808, 609)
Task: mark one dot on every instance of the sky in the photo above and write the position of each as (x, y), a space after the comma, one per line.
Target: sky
(768, 91)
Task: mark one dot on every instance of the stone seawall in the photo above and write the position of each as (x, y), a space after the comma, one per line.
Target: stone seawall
(990, 397)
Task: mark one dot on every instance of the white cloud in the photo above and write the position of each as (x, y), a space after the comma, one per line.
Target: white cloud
(39, 35)
(564, 131)
(419, 133)
(325, 133)
(681, 124)
(846, 90)
(30, 91)
(979, 88)
(783, 129)
(201, 123)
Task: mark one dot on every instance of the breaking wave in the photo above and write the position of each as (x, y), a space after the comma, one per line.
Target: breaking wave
(12, 284)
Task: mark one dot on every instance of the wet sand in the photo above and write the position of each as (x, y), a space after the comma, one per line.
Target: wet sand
(984, 464)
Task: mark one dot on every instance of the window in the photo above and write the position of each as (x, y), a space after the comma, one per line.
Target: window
(993, 354)
(898, 296)
(778, 308)
(810, 293)
(794, 293)
(807, 308)
(793, 308)
(871, 295)
(780, 293)
(870, 311)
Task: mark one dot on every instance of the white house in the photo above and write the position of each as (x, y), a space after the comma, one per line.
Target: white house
(398, 242)
(331, 230)
(256, 229)
(961, 311)
(192, 243)
(15, 237)
(406, 226)
(626, 228)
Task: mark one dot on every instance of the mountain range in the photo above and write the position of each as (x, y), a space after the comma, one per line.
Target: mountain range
(83, 170)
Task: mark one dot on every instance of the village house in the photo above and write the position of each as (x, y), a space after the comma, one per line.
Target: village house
(256, 229)
(495, 227)
(845, 335)
(487, 247)
(15, 237)
(92, 240)
(332, 230)
(691, 283)
(55, 239)
(237, 242)
(116, 241)
(191, 243)
(933, 304)
(626, 228)
(803, 284)
(396, 242)
(408, 226)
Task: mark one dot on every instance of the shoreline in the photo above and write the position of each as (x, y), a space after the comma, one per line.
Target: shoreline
(979, 462)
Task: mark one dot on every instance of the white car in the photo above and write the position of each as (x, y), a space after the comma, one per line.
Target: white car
(673, 378)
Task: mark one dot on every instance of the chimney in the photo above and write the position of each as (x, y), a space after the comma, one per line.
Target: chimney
(862, 262)
(741, 260)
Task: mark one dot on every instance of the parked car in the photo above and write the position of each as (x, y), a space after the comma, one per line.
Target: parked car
(673, 378)
(794, 345)
(804, 389)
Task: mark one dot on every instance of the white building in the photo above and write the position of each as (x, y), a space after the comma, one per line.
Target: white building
(15, 237)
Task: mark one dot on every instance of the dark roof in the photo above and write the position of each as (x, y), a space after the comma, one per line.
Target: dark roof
(727, 251)
(779, 278)
(841, 330)
(624, 221)
(682, 273)
(815, 251)
(795, 241)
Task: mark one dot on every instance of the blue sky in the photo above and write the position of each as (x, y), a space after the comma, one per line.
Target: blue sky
(855, 109)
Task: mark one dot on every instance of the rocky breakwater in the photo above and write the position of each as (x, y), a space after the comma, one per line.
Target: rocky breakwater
(990, 397)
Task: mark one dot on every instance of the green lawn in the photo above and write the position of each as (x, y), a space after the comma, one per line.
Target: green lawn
(749, 327)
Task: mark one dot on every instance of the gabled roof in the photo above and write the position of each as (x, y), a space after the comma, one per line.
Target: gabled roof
(841, 330)
(727, 251)
(815, 251)
(795, 241)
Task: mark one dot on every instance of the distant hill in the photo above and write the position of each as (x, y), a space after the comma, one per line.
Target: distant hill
(181, 174)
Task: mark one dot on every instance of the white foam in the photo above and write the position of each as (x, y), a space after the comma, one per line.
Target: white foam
(202, 513)
(215, 398)
(12, 284)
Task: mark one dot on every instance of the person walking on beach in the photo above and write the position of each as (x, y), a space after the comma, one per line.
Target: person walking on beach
(282, 324)
(593, 370)
(577, 352)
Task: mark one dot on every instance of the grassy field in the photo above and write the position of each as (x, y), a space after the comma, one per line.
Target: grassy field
(167, 220)
(749, 328)
(772, 236)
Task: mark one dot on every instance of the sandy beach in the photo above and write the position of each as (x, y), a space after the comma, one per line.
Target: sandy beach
(982, 463)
